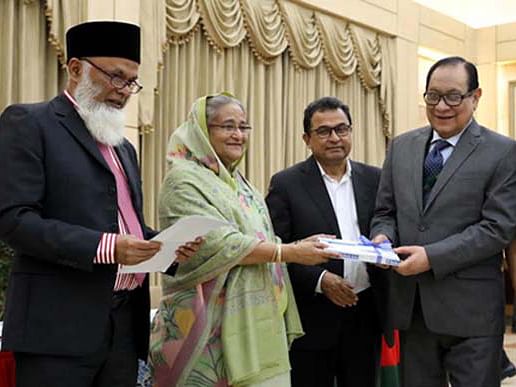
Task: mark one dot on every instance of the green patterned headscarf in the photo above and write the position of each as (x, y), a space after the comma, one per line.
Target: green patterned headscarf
(191, 141)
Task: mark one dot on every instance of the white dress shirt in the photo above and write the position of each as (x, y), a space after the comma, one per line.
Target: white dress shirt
(453, 140)
(343, 201)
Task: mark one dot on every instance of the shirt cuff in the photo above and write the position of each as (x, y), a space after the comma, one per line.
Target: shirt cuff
(106, 249)
(318, 287)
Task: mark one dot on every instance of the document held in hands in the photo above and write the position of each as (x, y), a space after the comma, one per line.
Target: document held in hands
(363, 250)
(184, 230)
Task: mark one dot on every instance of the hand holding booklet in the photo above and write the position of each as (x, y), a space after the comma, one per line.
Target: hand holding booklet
(184, 230)
(363, 250)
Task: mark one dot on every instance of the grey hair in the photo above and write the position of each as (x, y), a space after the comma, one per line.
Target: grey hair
(86, 67)
(213, 104)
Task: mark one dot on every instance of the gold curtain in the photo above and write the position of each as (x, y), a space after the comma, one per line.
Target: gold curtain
(29, 70)
(276, 57)
(62, 14)
(31, 48)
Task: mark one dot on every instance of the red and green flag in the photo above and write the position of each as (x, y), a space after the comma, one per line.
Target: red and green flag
(390, 363)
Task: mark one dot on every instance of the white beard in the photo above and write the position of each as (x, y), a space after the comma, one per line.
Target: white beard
(105, 123)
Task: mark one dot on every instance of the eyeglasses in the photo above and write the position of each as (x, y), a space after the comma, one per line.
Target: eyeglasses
(230, 128)
(116, 81)
(341, 130)
(451, 99)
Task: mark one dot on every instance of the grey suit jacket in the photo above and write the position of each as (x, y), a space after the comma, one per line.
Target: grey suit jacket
(470, 216)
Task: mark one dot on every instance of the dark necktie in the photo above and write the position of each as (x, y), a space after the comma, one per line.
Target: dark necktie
(433, 166)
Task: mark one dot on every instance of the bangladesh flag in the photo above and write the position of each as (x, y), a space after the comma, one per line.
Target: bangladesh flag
(390, 362)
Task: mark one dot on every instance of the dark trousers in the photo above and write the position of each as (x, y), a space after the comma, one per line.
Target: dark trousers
(114, 364)
(433, 360)
(353, 361)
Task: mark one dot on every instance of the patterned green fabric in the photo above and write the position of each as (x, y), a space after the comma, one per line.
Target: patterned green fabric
(219, 323)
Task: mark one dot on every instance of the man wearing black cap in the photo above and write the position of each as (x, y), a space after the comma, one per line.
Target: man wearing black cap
(71, 207)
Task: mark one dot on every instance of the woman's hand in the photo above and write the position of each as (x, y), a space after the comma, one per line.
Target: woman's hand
(307, 253)
(188, 250)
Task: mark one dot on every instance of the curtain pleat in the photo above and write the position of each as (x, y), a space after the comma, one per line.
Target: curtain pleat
(181, 18)
(367, 49)
(265, 29)
(339, 56)
(223, 21)
(304, 42)
(387, 84)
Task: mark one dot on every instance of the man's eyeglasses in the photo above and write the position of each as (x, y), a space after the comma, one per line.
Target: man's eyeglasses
(451, 99)
(341, 130)
(230, 128)
(116, 81)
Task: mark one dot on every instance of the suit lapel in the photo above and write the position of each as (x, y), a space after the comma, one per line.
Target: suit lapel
(466, 145)
(419, 152)
(70, 119)
(362, 197)
(317, 190)
(132, 178)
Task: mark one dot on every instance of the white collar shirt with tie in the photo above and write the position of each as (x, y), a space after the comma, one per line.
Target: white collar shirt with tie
(453, 140)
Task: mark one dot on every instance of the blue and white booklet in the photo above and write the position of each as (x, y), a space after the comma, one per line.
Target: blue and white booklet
(363, 250)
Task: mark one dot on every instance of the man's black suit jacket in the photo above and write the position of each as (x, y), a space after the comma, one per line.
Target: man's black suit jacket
(57, 197)
(300, 206)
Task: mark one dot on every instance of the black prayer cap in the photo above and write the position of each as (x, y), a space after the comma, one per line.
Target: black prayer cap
(103, 38)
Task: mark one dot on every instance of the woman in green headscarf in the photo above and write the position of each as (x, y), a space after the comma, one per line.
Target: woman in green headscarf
(228, 316)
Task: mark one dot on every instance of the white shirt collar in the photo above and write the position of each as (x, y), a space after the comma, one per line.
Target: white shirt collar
(453, 140)
(345, 177)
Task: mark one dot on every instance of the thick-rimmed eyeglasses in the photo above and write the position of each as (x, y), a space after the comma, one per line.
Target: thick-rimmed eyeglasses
(341, 130)
(230, 128)
(451, 99)
(116, 81)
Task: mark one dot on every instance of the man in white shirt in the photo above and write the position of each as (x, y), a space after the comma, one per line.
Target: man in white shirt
(339, 302)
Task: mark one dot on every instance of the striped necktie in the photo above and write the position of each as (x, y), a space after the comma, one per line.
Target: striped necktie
(433, 166)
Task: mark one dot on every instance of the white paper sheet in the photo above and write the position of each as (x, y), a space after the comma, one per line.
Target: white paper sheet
(184, 230)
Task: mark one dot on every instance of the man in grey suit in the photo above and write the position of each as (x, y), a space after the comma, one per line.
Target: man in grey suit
(447, 197)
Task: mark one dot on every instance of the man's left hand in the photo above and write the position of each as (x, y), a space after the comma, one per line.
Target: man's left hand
(379, 239)
(188, 250)
(416, 261)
